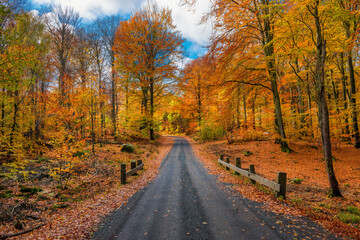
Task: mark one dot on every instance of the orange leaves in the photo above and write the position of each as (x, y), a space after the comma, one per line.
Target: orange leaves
(146, 44)
(147, 48)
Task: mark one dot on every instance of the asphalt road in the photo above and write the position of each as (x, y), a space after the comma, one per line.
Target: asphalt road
(186, 202)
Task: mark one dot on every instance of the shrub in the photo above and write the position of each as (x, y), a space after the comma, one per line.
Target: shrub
(29, 190)
(211, 132)
(128, 148)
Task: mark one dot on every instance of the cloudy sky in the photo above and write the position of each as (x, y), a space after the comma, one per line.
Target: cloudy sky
(187, 19)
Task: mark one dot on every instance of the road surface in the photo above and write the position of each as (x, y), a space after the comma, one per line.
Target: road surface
(186, 202)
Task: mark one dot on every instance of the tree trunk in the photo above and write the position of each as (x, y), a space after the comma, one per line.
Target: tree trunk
(279, 120)
(322, 105)
(347, 26)
(253, 111)
(238, 107)
(353, 101)
(345, 94)
(113, 100)
(3, 114)
(15, 115)
(245, 114)
(267, 34)
(152, 136)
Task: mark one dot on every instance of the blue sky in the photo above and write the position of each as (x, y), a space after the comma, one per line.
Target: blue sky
(186, 19)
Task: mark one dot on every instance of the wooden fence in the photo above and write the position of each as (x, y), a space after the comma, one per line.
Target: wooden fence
(134, 170)
(279, 186)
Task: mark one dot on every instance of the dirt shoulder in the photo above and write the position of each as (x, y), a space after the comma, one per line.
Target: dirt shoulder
(78, 219)
(307, 184)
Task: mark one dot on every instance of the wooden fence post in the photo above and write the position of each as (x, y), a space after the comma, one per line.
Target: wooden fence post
(123, 173)
(281, 179)
(133, 165)
(237, 164)
(252, 170)
(227, 161)
(139, 162)
(222, 157)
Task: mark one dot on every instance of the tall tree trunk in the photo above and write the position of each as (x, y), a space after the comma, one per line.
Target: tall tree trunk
(344, 93)
(92, 115)
(309, 105)
(267, 33)
(353, 101)
(253, 111)
(127, 99)
(15, 115)
(279, 120)
(300, 98)
(245, 114)
(322, 103)
(238, 107)
(113, 100)
(3, 113)
(152, 136)
(349, 35)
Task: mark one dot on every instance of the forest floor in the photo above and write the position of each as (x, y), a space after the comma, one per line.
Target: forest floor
(70, 204)
(307, 184)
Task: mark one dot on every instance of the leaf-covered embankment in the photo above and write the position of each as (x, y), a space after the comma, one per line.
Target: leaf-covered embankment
(78, 218)
(307, 184)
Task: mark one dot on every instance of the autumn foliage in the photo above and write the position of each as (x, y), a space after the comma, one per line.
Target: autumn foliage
(281, 71)
(282, 67)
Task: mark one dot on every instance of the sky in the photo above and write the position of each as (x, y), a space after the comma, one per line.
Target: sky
(186, 18)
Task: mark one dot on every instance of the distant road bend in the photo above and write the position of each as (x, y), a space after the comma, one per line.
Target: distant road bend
(186, 202)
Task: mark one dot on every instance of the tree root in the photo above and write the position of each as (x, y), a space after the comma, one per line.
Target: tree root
(5, 236)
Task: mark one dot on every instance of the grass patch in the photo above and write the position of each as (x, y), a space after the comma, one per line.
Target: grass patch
(57, 206)
(297, 200)
(349, 217)
(353, 210)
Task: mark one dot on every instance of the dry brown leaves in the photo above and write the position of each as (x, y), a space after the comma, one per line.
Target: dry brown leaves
(308, 198)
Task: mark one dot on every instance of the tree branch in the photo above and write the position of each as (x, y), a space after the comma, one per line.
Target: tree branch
(5, 236)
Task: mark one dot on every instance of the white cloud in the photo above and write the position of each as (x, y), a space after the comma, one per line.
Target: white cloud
(90, 9)
(187, 19)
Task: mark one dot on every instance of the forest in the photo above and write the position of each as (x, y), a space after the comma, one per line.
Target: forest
(71, 93)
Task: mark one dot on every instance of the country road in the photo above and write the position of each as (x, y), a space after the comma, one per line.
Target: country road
(186, 202)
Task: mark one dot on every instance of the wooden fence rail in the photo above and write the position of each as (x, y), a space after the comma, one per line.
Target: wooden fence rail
(279, 186)
(134, 170)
